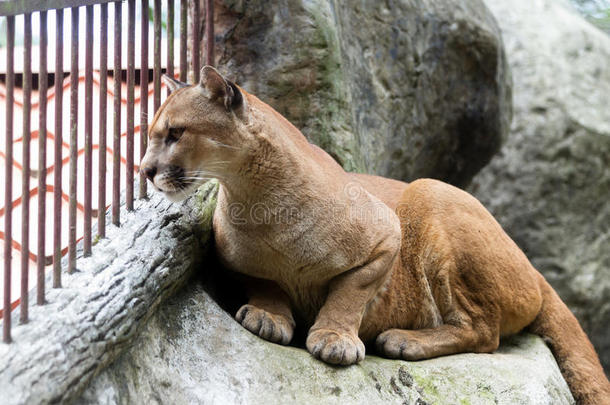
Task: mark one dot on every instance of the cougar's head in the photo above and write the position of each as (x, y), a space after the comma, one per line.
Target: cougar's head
(197, 134)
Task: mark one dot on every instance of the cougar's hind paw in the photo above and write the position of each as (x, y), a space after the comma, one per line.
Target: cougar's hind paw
(395, 344)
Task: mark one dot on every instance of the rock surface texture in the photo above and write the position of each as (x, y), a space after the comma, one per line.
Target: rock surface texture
(402, 89)
(193, 352)
(97, 312)
(550, 185)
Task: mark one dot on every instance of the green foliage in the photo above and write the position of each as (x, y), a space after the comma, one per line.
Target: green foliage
(151, 18)
(597, 12)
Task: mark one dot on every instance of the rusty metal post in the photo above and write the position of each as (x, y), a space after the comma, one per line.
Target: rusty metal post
(8, 184)
(75, 13)
(88, 129)
(42, 158)
(25, 190)
(170, 40)
(131, 61)
(183, 39)
(59, 80)
(101, 197)
(116, 141)
(144, 93)
(195, 44)
(209, 32)
(157, 55)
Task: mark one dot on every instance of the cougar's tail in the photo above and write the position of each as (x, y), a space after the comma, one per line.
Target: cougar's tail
(572, 349)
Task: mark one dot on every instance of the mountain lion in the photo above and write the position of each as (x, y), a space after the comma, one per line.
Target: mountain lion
(421, 269)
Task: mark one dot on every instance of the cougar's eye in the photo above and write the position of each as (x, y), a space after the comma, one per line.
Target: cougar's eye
(173, 135)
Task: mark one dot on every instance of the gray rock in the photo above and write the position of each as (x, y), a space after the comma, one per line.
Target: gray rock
(398, 88)
(193, 352)
(101, 306)
(550, 185)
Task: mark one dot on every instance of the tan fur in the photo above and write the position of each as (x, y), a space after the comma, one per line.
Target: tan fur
(421, 269)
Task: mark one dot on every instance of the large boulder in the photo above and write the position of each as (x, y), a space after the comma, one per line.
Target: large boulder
(193, 352)
(402, 89)
(550, 185)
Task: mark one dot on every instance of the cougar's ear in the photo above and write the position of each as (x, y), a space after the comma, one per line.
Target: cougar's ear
(221, 90)
(173, 84)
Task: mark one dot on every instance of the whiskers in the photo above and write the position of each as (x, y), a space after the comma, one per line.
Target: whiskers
(197, 176)
(189, 181)
(220, 144)
(216, 170)
(178, 184)
(194, 178)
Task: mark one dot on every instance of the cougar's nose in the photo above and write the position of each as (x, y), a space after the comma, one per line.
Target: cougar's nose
(149, 172)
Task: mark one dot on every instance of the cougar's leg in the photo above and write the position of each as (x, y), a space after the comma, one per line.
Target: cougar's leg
(480, 337)
(267, 313)
(333, 337)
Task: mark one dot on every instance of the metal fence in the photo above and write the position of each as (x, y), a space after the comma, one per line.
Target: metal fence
(10, 9)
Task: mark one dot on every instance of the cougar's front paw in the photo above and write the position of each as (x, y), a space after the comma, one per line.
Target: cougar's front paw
(397, 344)
(272, 327)
(335, 347)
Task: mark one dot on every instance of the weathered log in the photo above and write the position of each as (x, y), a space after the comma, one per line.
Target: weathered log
(86, 324)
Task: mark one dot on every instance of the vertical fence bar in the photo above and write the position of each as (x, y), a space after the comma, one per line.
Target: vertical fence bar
(8, 184)
(42, 157)
(25, 191)
(195, 45)
(144, 92)
(170, 40)
(75, 13)
(183, 39)
(116, 141)
(88, 128)
(101, 202)
(209, 32)
(157, 55)
(131, 79)
(57, 167)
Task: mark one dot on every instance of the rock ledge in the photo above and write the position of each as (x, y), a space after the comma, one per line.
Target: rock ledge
(192, 351)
